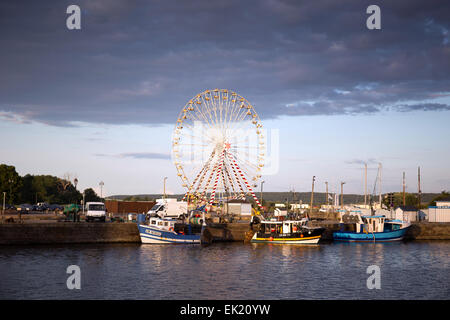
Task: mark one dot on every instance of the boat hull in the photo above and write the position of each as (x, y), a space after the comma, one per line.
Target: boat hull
(388, 236)
(150, 235)
(312, 237)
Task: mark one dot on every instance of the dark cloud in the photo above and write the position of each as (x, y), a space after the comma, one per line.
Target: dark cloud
(140, 61)
(424, 107)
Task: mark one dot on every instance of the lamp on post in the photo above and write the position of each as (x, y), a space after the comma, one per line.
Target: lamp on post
(342, 195)
(75, 182)
(3, 211)
(164, 194)
(101, 188)
(83, 202)
(11, 181)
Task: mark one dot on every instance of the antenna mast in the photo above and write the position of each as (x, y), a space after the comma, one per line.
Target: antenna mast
(365, 184)
(419, 190)
(379, 186)
(404, 186)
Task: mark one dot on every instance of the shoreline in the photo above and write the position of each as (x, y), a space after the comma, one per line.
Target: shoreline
(58, 232)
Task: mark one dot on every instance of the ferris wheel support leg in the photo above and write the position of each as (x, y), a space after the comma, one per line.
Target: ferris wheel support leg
(213, 194)
(201, 173)
(247, 184)
(203, 195)
(237, 179)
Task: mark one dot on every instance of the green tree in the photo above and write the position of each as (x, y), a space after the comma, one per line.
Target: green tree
(10, 182)
(410, 200)
(46, 188)
(91, 196)
(443, 196)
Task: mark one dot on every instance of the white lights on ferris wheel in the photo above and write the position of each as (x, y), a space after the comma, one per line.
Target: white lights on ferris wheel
(218, 146)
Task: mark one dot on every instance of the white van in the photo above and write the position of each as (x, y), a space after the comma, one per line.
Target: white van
(95, 211)
(169, 208)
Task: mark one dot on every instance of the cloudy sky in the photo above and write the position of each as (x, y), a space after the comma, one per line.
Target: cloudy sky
(101, 102)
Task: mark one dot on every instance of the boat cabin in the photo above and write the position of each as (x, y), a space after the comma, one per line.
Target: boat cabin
(162, 224)
(369, 224)
(282, 227)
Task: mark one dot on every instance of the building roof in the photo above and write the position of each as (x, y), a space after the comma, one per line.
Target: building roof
(237, 201)
(407, 208)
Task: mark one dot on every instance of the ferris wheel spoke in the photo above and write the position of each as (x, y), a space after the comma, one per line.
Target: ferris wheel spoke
(213, 107)
(196, 118)
(201, 137)
(239, 122)
(216, 145)
(201, 173)
(204, 109)
(200, 111)
(240, 159)
(231, 111)
(237, 177)
(246, 182)
(226, 169)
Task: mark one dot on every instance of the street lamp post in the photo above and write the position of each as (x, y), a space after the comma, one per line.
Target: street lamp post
(75, 182)
(101, 188)
(164, 194)
(342, 195)
(84, 201)
(3, 211)
(11, 181)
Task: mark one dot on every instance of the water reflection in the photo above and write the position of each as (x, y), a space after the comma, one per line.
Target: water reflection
(227, 271)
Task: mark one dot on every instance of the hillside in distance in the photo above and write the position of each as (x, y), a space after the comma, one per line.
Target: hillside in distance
(282, 197)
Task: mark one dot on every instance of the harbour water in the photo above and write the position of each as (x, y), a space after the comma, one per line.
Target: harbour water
(411, 270)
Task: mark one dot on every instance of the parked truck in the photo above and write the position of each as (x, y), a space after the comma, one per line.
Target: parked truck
(169, 207)
(95, 211)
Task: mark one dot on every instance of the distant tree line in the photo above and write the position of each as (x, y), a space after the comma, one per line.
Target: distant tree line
(138, 198)
(444, 195)
(40, 188)
(411, 199)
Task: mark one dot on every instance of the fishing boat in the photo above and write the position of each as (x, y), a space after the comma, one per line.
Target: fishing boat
(159, 230)
(355, 227)
(287, 232)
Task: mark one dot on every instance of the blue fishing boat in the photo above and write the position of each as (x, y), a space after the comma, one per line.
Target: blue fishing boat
(355, 227)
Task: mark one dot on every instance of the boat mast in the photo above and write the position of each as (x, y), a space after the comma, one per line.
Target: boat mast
(404, 187)
(312, 196)
(419, 196)
(365, 184)
(379, 185)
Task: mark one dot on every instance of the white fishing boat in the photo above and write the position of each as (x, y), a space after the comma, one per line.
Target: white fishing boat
(287, 232)
(171, 231)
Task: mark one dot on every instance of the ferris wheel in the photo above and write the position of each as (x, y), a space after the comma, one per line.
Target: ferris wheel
(218, 146)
